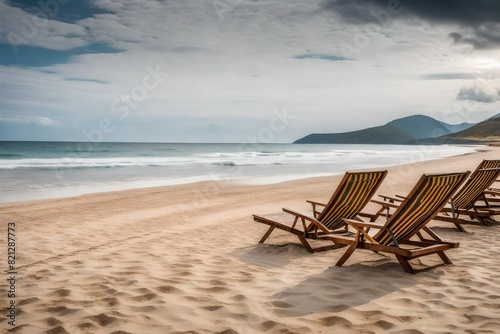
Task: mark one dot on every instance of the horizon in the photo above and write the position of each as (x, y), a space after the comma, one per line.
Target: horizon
(225, 71)
(222, 143)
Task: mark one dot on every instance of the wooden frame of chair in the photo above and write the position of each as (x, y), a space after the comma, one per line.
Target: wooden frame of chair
(491, 196)
(428, 197)
(351, 195)
(464, 202)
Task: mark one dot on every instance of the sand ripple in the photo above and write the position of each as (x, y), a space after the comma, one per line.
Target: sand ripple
(123, 263)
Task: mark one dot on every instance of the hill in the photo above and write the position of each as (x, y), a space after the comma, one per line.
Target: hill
(404, 130)
(484, 131)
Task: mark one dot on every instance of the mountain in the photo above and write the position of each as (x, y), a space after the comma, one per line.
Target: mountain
(377, 135)
(404, 130)
(495, 116)
(421, 127)
(458, 127)
(484, 131)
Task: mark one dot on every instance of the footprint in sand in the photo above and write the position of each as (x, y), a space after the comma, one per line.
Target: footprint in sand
(28, 301)
(102, 319)
(145, 297)
(214, 289)
(167, 289)
(52, 321)
(57, 330)
(60, 293)
(60, 310)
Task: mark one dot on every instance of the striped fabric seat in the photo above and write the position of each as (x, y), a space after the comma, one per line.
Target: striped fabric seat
(427, 199)
(423, 203)
(351, 196)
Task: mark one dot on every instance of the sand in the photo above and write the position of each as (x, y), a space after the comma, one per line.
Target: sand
(185, 259)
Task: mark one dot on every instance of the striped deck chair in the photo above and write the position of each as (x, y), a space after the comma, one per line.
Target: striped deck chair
(465, 202)
(351, 196)
(427, 198)
(491, 196)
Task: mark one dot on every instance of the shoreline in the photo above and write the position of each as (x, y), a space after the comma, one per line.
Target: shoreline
(186, 258)
(98, 188)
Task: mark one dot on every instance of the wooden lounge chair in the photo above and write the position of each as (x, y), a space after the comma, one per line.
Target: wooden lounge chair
(492, 195)
(492, 198)
(466, 202)
(426, 199)
(350, 197)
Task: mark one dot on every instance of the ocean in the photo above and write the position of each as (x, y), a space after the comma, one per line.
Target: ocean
(36, 170)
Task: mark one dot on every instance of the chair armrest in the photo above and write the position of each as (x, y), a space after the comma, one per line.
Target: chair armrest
(316, 203)
(301, 215)
(315, 210)
(308, 218)
(355, 223)
(392, 199)
(385, 204)
(361, 232)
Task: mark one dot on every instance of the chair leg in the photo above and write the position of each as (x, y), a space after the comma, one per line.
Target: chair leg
(445, 258)
(266, 235)
(487, 221)
(346, 255)
(460, 228)
(405, 264)
(304, 243)
(432, 234)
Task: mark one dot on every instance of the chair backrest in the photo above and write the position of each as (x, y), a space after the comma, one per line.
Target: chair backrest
(350, 197)
(428, 197)
(480, 180)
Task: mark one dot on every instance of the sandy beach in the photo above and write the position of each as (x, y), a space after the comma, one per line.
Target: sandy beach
(186, 259)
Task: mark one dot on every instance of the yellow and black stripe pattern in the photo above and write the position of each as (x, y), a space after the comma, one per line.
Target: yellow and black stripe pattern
(482, 178)
(351, 196)
(427, 198)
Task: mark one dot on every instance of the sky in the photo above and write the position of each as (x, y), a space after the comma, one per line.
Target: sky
(269, 71)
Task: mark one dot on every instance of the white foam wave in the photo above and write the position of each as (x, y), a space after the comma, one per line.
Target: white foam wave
(222, 159)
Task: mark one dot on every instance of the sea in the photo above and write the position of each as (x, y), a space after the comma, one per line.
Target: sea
(38, 170)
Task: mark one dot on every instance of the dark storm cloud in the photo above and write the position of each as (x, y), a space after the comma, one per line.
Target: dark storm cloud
(480, 19)
(455, 36)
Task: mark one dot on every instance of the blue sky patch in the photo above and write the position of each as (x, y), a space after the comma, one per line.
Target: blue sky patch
(68, 11)
(31, 56)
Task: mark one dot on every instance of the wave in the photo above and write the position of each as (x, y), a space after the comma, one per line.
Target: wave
(145, 160)
(226, 159)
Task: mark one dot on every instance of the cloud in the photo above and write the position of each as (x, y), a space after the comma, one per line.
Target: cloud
(480, 19)
(260, 55)
(457, 37)
(450, 76)
(18, 27)
(38, 120)
(88, 80)
(321, 56)
(479, 92)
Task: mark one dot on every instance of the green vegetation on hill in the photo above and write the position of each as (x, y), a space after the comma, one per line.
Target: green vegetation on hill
(378, 135)
(406, 130)
(486, 130)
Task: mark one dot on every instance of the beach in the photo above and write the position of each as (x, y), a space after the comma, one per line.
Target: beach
(186, 259)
